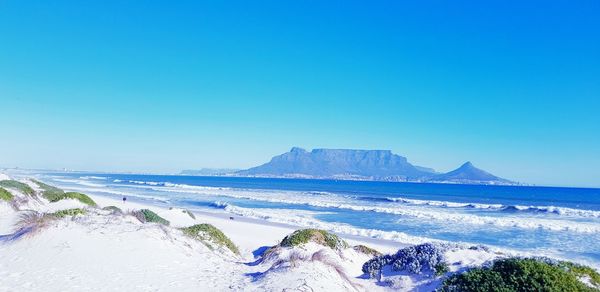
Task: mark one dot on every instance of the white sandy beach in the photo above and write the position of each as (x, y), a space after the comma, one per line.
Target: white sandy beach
(108, 253)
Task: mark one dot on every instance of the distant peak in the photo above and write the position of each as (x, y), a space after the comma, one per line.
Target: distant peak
(297, 149)
(467, 164)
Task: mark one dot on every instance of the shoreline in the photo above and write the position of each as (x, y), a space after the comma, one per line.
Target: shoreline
(77, 242)
(272, 231)
(388, 238)
(384, 240)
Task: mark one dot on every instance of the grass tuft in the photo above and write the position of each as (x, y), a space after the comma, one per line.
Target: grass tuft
(49, 192)
(54, 194)
(79, 197)
(367, 250)
(21, 187)
(31, 223)
(113, 209)
(68, 212)
(318, 236)
(146, 215)
(207, 232)
(6, 195)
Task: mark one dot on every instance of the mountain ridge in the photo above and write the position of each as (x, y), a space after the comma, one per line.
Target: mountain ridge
(356, 164)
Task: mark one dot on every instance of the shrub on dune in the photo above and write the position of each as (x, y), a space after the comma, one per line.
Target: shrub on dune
(303, 236)
(520, 274)
(68, 212)
(366, 250)
(77, 196)
(49, 192)
(419, 258)
(146, 215)
(31, 223)
(21, 187)
(54, 194)
(207, 232)
(318, 236)
(416, 259)
(113, 209)
(373, 267)
(6, 195)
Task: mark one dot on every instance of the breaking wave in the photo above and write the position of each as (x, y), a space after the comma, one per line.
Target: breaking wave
(293, 198)
(497, 207)
(409, 209)
(441, 211)
(305, 219)
(171, 185)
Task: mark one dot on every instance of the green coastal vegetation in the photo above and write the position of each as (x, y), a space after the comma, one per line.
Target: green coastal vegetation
(54, 194)
(441, 269)
(17, 185)
(318, 236)
(366, 250)
(583, 271)
(113, 209)
(207, 232)
(68, 212)
(523, 274)
(5, 195)
(49, 192)
(77, 196)
(32, 222)
(146, 215)
(503, 275)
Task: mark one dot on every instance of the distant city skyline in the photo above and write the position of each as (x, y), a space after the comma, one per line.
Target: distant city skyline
(160, 87)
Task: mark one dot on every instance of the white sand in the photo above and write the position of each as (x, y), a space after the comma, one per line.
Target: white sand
(4, 176)
(249, 234)
(102, 252)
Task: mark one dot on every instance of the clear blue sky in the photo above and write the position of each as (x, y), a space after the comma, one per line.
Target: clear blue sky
(513, 86)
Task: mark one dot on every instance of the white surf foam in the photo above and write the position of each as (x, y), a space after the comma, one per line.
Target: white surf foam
(438, 211)
(416, 211)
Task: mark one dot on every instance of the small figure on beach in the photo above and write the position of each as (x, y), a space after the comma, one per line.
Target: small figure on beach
(230, 218)
(124, 199)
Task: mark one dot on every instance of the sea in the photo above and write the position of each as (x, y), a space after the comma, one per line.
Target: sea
(556, 222)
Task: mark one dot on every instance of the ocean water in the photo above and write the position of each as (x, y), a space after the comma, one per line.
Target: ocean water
(556, 222)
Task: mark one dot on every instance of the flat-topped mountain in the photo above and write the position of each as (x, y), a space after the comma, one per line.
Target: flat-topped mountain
(339, 162)
(363, 164)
